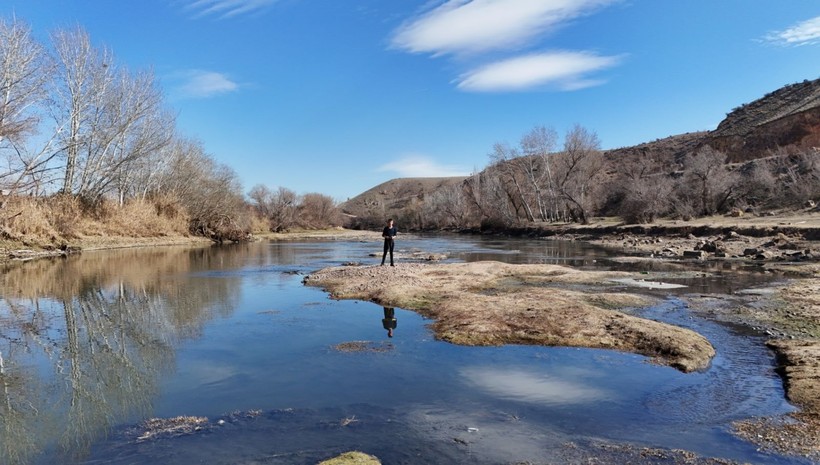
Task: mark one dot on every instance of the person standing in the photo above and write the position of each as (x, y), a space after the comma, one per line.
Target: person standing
(389, 233)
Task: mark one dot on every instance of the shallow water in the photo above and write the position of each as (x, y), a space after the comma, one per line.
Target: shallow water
(91, 345)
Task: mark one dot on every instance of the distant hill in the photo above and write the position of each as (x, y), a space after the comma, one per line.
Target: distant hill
(787, 117)
(396, 198)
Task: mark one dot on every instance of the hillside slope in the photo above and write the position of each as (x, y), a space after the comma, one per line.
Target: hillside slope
(789, 116)
(396, 198)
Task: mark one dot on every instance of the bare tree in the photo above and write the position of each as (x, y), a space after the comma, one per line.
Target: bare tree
(800, 175)
(318, 211)
(708, 181)
(538, 146)
(84, 76)
(758, 185)
(209, 192)
(281, 207)
(447, 207)
(644, 191)
(132, 125)
(492, 199)
(25, 69)
(509, 166)
(578, 172)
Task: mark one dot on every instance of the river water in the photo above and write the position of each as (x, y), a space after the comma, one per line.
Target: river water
(92, 345)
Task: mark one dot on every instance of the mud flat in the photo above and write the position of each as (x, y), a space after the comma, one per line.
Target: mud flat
(492, 303)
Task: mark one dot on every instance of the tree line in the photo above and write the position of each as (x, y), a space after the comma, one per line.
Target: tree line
(76, 123)
(540, 181)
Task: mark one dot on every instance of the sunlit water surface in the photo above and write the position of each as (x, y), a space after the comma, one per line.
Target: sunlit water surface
(92, 345)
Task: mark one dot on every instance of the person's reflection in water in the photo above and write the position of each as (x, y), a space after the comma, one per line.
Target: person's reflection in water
(389, 322)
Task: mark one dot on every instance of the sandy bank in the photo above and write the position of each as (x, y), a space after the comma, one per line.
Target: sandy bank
(492, 303)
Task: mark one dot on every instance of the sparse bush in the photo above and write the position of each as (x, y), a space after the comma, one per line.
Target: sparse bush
(707, 182)
(318, 211)
(647, 198)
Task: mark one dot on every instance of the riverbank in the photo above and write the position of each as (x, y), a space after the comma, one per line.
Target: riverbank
(15, 251)
(24, 251)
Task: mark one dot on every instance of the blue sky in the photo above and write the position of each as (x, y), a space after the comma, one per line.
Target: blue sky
(337, 96)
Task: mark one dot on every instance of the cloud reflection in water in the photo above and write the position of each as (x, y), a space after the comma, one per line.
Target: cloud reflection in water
(524, 386)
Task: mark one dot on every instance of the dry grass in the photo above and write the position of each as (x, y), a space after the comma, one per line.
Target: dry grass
(352, 458)
(25, 219)
(58, 220)
(142, 218)
(171, 427)
(491, 303)
(259, 225)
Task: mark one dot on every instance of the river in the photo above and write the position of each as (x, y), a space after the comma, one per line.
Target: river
(92, 345)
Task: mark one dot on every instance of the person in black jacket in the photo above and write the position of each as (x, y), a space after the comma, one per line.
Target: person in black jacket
(388, 234)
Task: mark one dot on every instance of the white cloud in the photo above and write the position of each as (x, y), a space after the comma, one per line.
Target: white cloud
(227, 8)
(203, 84)
(803, 33)
(565, 70)
(458, 26)
(419, 166)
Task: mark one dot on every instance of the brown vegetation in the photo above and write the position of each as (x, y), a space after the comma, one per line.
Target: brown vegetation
(62, 221)
(483, 304)
(352, 458)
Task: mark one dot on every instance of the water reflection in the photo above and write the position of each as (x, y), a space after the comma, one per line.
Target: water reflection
(84, 340)
(389, 321)
(526, 386)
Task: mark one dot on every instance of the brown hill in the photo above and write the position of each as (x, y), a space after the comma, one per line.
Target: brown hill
(786, 118)
(398, 198)
(789, 116)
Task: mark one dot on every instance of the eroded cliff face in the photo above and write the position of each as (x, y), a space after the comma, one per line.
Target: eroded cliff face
(787, 117)
(795, 131)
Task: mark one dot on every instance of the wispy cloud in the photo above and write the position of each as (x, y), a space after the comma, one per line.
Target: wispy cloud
(459, 26)
(420, 166)
(202, 84)
(562, 70)
(471, 29)
(227, 8)
(803, 33)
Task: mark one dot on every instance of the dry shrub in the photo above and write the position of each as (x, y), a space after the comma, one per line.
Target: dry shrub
(96, 208)
(258, 224)
(168, 205)
(25, 218)
(64, 214)
(140, 218)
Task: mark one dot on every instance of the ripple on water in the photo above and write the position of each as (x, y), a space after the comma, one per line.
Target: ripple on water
(741, 381)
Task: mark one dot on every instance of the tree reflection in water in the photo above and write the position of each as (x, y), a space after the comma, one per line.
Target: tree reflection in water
(84, 340)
